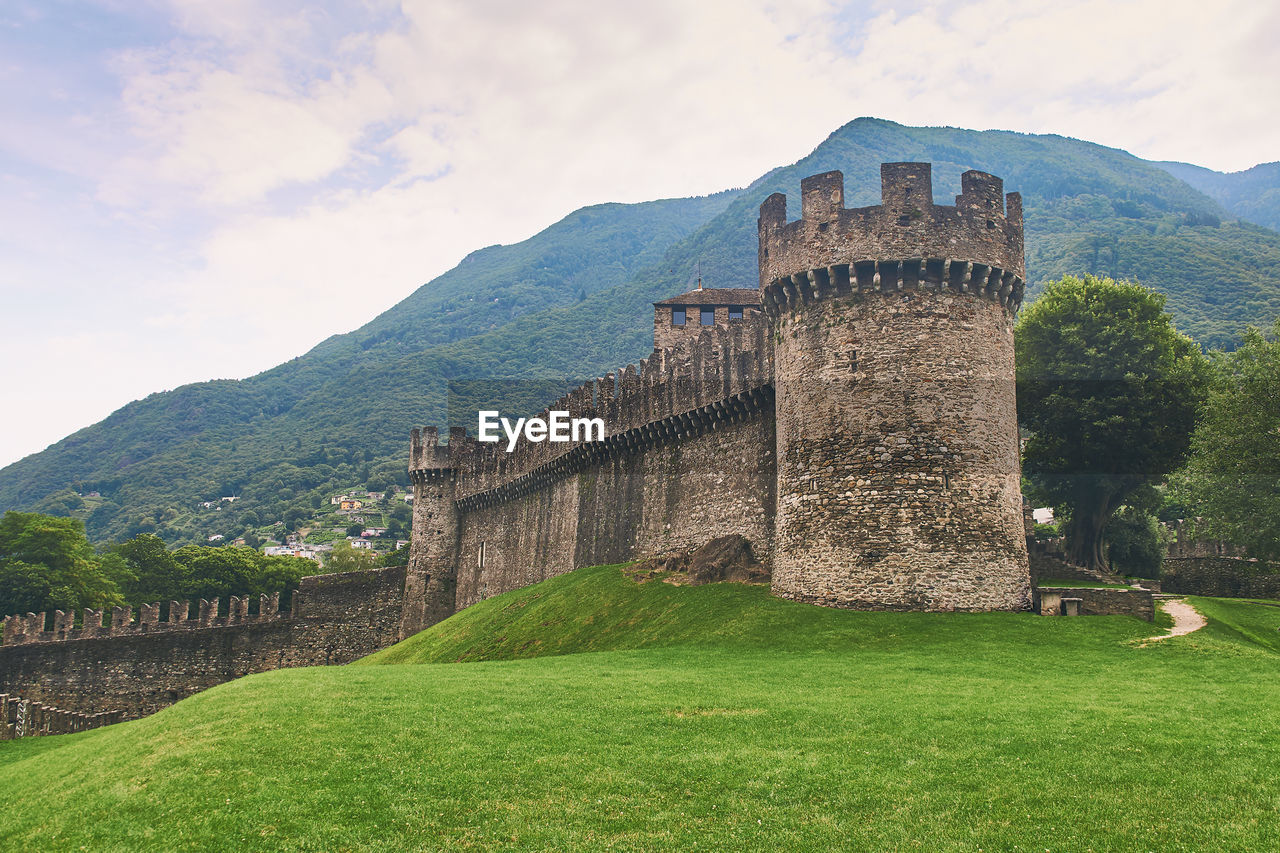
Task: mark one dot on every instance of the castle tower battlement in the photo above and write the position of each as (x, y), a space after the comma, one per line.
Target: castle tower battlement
(906, 242)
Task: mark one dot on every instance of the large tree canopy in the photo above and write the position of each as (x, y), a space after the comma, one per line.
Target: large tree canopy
(46, 563)
(1107, 391)
(1232, 479)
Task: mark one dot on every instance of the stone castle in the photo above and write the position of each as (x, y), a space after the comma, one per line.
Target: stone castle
(852, 419)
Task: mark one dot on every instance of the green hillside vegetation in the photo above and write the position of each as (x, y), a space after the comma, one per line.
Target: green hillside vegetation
(683, 718)
(513, 326)
(1252, 194)
(47, 564)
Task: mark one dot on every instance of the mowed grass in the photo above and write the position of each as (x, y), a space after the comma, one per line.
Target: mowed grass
(716, 717)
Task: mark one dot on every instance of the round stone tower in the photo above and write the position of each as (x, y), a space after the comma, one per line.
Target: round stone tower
(897, 439)
(431, 580)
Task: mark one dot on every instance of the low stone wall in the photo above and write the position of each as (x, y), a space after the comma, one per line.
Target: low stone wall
(1096, 601)
(23, 718)
(1224, 577)
(1048, 563)
(336, 619)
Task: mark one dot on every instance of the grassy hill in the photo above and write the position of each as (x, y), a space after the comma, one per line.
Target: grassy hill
(511, 326)
(688, 718)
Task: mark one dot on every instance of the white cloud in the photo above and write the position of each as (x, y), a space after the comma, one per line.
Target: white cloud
(269, 173)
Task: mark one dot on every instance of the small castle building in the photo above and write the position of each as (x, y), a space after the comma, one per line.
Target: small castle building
(682, 318)
(853, 419)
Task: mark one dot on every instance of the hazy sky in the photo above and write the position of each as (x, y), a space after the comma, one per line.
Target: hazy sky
(196, 190)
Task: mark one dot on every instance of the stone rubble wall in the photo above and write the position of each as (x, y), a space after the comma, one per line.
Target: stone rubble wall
(1100, 601)
(670, 496)
(336, 619)
(1224, 577)
(24, 718)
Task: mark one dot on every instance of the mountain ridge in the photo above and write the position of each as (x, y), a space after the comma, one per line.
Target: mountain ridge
(512, 326)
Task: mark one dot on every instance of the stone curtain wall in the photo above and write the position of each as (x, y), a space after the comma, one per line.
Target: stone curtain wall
(336, 619)
(674, 496)
(1226, 577)
(687, 456)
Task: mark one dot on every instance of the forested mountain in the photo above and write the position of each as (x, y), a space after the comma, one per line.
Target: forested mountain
(512, 325)
(1253, 194)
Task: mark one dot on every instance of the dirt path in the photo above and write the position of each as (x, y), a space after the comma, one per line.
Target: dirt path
(1185, 619)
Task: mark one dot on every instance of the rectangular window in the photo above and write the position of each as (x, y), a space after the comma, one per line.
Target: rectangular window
(708, 316)
(735, 312)
(677, 315)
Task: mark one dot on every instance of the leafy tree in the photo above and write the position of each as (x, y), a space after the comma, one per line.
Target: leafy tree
(24, 587)
(47, 563)
(344, 558)
(1232, 480)
(156, 575)
(1135, 543)
(1108, 390)
(217, 572)
(281, 574)
(62, 502)
(221, 572)
(398, 557)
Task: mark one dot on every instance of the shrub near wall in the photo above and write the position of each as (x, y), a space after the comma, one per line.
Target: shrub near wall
(1224, 577)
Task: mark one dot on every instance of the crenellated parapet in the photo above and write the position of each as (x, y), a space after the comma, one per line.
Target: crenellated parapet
(24, 718)
(428, 459)
(721, 377)
(41, 628)
(904, 243)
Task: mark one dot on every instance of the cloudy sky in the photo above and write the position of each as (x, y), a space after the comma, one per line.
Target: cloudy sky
(193, 190)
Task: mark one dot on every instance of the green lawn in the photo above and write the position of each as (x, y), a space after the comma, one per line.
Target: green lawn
(682, 718)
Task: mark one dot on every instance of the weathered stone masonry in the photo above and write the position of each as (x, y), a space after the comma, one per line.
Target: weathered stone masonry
(859, 429)
(133, 668)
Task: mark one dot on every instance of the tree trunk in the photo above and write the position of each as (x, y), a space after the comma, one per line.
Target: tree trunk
(1084, 545)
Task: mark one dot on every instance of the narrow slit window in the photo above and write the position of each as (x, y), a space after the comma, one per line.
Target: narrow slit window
(708, 316)
(480, 557)
(677, 315)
